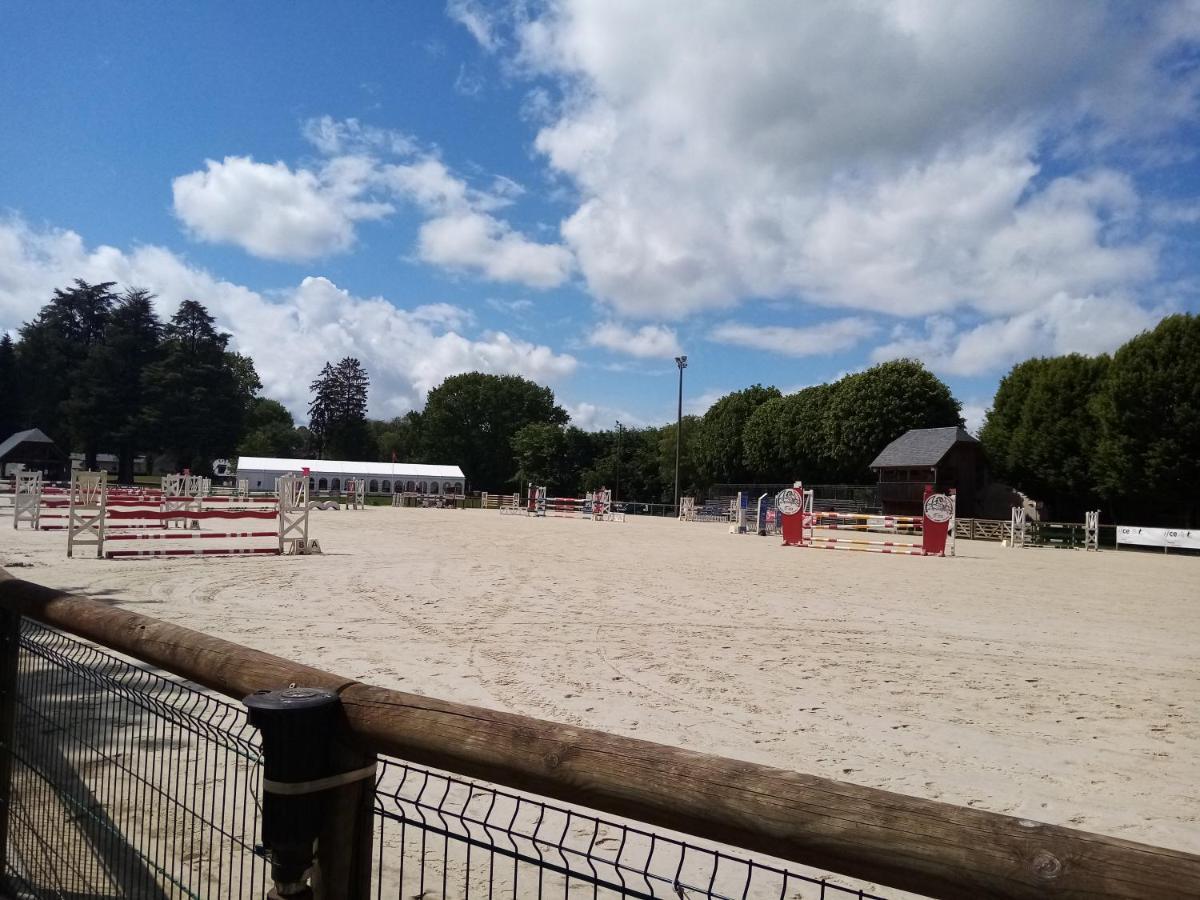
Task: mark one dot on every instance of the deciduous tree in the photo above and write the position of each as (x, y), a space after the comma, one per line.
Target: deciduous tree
(470, 420)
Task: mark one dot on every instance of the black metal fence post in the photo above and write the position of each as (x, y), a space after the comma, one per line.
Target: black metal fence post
(317, 797)
(10, 649)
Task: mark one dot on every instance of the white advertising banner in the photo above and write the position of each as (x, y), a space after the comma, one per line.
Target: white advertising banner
(1159, 537)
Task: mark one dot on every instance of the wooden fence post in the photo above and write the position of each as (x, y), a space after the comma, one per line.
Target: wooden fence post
(10, 648)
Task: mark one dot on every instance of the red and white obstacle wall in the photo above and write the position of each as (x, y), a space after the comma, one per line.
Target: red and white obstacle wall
(98, 515)
(798, 524)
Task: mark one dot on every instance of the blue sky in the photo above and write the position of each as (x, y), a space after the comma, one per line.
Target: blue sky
(577, 191)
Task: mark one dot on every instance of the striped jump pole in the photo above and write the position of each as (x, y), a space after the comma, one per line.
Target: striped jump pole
(828, 541)
(896, 551)
(188, 535)
(198, 551)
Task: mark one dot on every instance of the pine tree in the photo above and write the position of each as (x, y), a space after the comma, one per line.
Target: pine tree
(107, 399)
(50, 352)
(195, 400)
(10, 394)
(338, 411)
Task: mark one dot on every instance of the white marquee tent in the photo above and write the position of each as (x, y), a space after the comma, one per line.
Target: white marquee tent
(332, 474)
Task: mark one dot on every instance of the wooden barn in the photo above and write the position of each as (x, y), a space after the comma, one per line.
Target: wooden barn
(944, 457)
(33, 451)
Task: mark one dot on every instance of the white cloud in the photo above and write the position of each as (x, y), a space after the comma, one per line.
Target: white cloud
(813, 340)
(480, 243)
(698, 406)
(338, 137)
(273, 211)
(289, 333)
(591, 417)
(882, 156)
(1065, 324)
(649, 341)
(973, 415)
(474, 17)
(510, 307)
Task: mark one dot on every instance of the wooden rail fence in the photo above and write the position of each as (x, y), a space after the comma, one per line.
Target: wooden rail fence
(918, 845)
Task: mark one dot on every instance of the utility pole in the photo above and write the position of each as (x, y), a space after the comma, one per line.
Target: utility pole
(680, 361)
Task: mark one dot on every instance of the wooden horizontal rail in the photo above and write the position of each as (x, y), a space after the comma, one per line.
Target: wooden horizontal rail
(923, 846)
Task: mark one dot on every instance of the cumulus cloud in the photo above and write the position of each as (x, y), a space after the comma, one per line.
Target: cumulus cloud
(290, 333)
(899, 168)
(648, 341)
(477, 242)
(814, 340)
(273, 211)
(1065, 324)
(277, 212)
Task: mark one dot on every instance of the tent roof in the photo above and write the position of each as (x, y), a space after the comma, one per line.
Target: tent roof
(922, 447)
(343, 467)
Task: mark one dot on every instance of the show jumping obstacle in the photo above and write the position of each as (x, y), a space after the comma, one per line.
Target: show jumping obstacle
(98, 515)
(1062, 535)
(509, 504)
(596, 505)
(795, 506)
(750, 515)
(356, 493)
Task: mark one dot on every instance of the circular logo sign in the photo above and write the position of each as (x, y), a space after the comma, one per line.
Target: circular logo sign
(789, 502)
(939, 508)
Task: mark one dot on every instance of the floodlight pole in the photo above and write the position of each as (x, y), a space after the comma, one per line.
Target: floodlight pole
(680, 361)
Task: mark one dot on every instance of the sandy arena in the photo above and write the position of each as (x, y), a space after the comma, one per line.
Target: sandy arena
(1057, 685)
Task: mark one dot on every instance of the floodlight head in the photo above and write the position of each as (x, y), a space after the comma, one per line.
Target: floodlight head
(681, 361)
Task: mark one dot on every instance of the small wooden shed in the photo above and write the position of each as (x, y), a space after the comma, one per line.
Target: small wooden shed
(944, 457)
(32, 451)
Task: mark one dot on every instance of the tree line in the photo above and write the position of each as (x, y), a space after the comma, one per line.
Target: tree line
(99, 372)
(1119, 432)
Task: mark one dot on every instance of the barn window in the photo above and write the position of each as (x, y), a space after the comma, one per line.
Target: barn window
(387, 486)
(373, 487)
(335, 484)
(433, 487)
(411, 487)
(322, 485)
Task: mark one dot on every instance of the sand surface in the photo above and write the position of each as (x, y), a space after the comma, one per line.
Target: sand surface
(1057, 685)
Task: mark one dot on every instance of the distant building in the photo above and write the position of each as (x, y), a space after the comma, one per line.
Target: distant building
(111, 463)
(331, 475)
(944, 457)
(32, 451)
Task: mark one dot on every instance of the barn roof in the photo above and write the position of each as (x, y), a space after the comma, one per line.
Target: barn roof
(922, 447)
(344, 467)
(31, 436)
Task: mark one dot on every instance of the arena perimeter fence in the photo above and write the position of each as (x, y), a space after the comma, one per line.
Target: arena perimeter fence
(117, 780)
